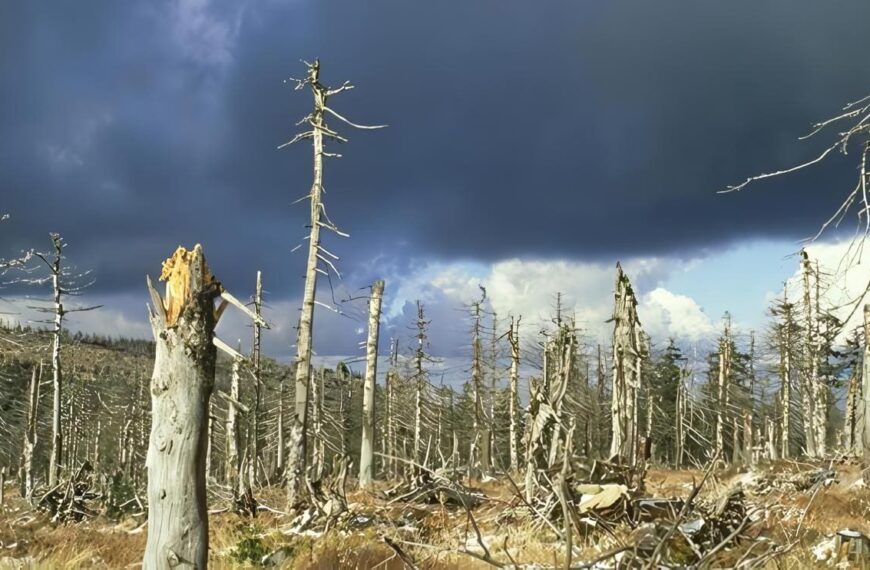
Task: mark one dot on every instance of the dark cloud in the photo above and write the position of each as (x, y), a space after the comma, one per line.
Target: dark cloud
(589, 130)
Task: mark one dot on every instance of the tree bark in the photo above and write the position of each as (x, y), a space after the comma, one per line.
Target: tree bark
(256, 369)
(809, 374)
(367, 448)
(514, 341)
(30, 433)
(56, 375)
(181, 386)
(232, 454)
(626, 371)
(864, 408)
(298, 440)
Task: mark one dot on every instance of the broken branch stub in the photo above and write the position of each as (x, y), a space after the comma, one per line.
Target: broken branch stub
(181, 386)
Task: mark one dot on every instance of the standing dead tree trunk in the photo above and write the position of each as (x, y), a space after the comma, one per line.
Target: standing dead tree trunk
(316, 254)
(723, 387)
(232, 453)
(785, 332)
(626, 371)
(367, 447)
(184, 369)
(853, 396)
(30, 434)
(56, 379)
(810, 371)
(864, 406)
(480, 452)
(420, 382)
(392, 446)
(63, 283)
(257, 373)
(513, 409)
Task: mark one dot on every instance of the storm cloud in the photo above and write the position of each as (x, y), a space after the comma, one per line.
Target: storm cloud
(577, 130)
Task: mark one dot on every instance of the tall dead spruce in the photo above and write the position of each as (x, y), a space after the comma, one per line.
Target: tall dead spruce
(367, 447)
(317, 256)
(627, 361)
(64, 283)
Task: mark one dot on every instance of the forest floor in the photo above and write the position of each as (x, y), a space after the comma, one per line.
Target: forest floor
(783, 510)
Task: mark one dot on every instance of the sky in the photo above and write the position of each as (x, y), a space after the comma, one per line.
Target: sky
(530, 146)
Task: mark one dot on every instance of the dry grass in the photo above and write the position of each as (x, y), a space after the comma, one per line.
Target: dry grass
(431, 534)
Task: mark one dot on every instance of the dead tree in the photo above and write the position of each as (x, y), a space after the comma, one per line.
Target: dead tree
(257, 372)
(863, 447)
(627, 361)
(367, 446)
(493, 386)
(420, 382)
(391, 443)
(232, 453)
(853, 396)
(723, 386)
(30, 434)
(63, 284)
(316, 255)
(809, 371)
(184, 370)
(785, 332)
(480, 452)
(513, 404)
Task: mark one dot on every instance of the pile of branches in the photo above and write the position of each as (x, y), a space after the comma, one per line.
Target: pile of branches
(326, 504)
(69, 501)
(434, 487)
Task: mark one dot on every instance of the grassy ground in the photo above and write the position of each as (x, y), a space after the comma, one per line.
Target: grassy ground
(433, 535)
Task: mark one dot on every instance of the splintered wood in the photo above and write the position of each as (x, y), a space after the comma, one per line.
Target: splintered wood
(176, 274)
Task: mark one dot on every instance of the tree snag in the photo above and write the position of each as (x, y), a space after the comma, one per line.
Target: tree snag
(184, 369)
(367, 448)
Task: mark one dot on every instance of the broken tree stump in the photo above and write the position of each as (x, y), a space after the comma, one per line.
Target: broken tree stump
(184, 370)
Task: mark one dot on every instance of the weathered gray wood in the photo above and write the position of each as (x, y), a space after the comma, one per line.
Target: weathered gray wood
(864, 408)
(514, 379)
(56, 375)
(30, 433)
(367, 447)
(181, 387)
(626, 371)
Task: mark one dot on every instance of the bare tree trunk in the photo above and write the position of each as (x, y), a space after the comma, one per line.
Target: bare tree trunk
(367, 448)
(232, 453)
(298, 443)
(30, 433)
(626, 371)
(181, 385)
(514, 341)
(864, 408)
(56, 377)
(723, 387)
(210, 439)
(480, 452)
(820, 405)
(391, 433)
(97, 437)
(772, 450)
(319, 452)
(257, 371)
(679, 433)
(279, 467)
(786, 382)
(493, 384)
(419, 382)
(810, 364)
(851, 419)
